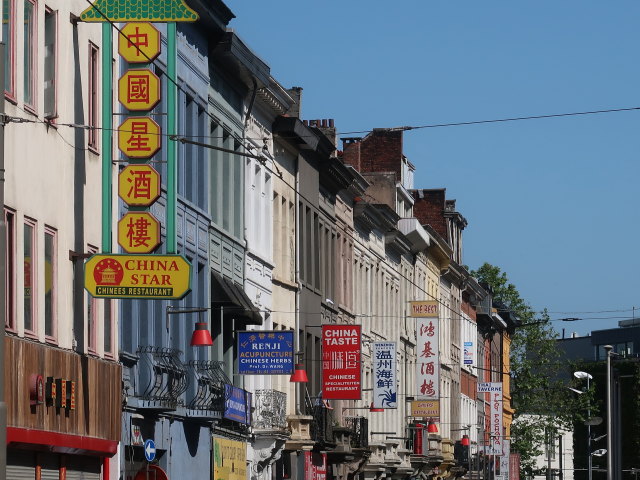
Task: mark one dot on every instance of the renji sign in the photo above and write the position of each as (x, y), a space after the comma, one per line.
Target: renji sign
(341, 364)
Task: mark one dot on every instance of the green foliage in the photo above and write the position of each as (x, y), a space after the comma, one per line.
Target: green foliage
(539, 392)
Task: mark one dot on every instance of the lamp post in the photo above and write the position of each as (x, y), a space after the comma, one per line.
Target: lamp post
(608, 349)
(584, 375)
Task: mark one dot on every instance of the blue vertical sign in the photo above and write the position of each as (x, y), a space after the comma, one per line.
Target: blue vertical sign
(385, 384)
(265, 352)
(237, 404)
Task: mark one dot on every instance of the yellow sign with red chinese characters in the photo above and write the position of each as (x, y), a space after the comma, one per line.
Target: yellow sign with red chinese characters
(139, 137)
(139, 90)
(137, 276)
(139, 185)
(139, 42)
(139, 232)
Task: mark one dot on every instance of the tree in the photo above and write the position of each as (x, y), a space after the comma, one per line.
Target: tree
(543, 404)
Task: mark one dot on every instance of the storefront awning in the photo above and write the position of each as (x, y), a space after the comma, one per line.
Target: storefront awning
(227, 293)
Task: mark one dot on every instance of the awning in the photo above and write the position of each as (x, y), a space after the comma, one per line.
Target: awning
(227, 293)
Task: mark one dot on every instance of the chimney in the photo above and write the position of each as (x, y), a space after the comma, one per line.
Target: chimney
(296, 108)
(429, 208)
(351, 151)
(326, 126)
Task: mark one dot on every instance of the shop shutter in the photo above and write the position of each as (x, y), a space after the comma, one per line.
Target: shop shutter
(83, 468)
(49, 466)
(21, 465)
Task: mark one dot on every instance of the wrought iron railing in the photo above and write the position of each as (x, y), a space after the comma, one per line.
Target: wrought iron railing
(165, 375)
(359, 427)
(322, 424)
(270, 410)
(210, 380)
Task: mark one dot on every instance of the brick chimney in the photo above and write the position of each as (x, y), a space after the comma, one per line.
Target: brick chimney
(296, 108)
(351, 152)
(381, 151)
(429, 208)
(327, 127)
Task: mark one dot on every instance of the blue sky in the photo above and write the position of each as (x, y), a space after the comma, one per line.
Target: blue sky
(552, 202)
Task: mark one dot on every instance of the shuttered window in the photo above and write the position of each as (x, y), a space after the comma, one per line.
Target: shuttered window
(21, 465)
(83, 468)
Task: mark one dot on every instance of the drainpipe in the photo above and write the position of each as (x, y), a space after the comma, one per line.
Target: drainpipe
(3, 263)
(296, 337)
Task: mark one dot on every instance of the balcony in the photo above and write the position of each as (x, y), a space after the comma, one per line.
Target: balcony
(270, 411)
(163, 378)
(322, 425)
(208, 402)
(418, 236)
(359, 427)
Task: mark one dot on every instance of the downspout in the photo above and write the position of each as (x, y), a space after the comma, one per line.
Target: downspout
(296, 337)
(3, 263)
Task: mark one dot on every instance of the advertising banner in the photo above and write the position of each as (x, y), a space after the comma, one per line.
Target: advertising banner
(426, 409)
(468, 353)
(341, 362)
(428, 364)
(315, 466)
(237, 404)
(229, 459)
(504, 459)
(385, 384)
(265, 352)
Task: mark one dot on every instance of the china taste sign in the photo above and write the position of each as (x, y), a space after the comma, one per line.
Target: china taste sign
(341, 364)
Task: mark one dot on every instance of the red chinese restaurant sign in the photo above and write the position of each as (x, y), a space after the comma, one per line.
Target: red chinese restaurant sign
(341, 362)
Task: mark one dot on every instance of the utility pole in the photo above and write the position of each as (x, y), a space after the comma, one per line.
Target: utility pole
(607, 349)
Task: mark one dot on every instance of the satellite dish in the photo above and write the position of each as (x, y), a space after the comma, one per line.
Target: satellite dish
(594, 421)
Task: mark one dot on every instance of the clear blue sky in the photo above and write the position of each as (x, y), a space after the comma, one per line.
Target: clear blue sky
(552, 202)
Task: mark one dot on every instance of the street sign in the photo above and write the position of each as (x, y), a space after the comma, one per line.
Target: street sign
(138, 232)
(149, 450)
(139, 42)
(139, 185)
(137, 276)
(139, 90)
(139, 137)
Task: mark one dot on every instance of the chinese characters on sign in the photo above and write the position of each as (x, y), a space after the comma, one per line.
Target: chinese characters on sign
(428, 349)
(138, 232)
(341, 365)
(139, 42)
(139, 185)
(494, 392)
(139, 90)
(385, 385)
(315, 466)
(139, 137)
(265, 352)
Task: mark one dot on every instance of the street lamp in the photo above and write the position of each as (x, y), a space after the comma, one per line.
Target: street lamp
(584, 375)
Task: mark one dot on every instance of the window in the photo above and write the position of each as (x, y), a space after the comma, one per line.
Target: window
(93, 97)
(30, 284)
(10, 278)
(50, 269)
(30, 49)
(50, 63)
(8, 33)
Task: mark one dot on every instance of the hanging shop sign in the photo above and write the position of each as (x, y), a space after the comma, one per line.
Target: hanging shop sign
(139, 42)
(428, 362)
(60, 393)
(265, 352)
(425, 408)
(424, 308)
(237, 404)
(494, 397)
(385, 384)
(139, 137)
(139, 185)
(137, 276)
(315, 466)
(139, 11)
(138, 232)
(139, 90)
(341, 362)
(229, 459)
(468, 353)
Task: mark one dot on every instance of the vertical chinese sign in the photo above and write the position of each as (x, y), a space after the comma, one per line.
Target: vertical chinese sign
(494, 392)
(385, 385)
(428, 349)
(341, 362)
(139, 137)
(315, 466)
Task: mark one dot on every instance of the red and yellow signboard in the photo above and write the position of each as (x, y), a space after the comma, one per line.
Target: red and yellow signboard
(139, 185)
(424, 308)
(139, 232)
(137, 276)
(139, 137)
(139, 42)
(341, 364)
(139, 90)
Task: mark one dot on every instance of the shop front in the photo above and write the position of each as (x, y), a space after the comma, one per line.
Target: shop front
(63, 412)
